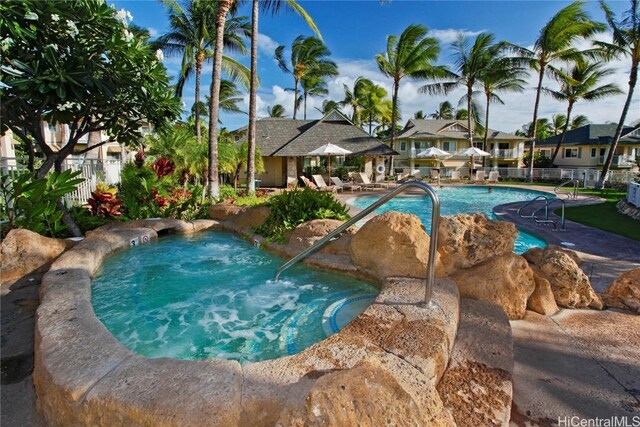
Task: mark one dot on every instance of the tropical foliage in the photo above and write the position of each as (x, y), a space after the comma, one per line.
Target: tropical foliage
(293, 207)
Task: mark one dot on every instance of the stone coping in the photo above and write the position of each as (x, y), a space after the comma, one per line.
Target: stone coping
(383, 367)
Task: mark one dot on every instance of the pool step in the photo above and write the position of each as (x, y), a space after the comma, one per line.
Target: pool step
(332, 311)
(477, 387)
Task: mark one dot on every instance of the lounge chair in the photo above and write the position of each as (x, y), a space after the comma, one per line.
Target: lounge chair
(479, 177)
(434, 175)
(338, 183)
(494, 176)
(313, 186)
(319, 180)
(366, 182)
(455, 176)
(413, 175)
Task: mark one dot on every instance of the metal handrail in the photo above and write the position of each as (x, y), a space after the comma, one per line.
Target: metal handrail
(527, 204)
(575, 183)
(546, 214)
(433, 245)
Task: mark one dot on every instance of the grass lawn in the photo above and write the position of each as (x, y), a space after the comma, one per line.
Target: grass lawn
(604, 216)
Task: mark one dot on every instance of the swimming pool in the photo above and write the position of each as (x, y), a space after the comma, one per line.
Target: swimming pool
(462, 199)
(211, 295)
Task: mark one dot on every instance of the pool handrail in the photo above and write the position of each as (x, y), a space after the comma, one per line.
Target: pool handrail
(546, 214)
(433, 244)
(573, 194)
(527, 204)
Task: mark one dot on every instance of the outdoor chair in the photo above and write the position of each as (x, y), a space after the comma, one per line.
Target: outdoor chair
(494, 176)
(479, 177)
(338, 183)
(455, 176)
(320, 182)
(313, 186)
(366, 182)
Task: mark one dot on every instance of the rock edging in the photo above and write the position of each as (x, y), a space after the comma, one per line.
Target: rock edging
(396, 351)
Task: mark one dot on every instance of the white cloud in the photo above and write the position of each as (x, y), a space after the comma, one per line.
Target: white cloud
(450, 35)
(152, 32)
(266, 44)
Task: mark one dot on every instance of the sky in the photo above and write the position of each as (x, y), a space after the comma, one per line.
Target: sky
(355, 31)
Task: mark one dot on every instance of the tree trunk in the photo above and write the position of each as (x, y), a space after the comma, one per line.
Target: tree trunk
(30, 154)
(253, 87)
(534, 125)
(305, 105)
(68, 220)
(394, 107)
(295, 97)
(221, 17)
(564, 132)
(485, 141)
(633, 79)
(470, 128)
(199, 61)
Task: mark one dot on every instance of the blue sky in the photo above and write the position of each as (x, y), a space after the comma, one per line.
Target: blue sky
(355, 31)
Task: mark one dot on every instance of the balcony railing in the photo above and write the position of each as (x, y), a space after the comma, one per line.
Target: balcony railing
(505, 154)
(618, 161)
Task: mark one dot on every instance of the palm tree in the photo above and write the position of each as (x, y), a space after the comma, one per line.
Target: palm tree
(444, 111)
(276, 111)
(312, 85)
(372, 103)
(580, 82)
(626, 42)
(410, 55)
(419, 115)
(579, 121)
(555, 42)
(229, 97)
(275, 6)
(500, 75)
(223, 8)
(471, 62)
(308, 57)
(328, 106)
(557, 122)
(189, 37)
(353, 98)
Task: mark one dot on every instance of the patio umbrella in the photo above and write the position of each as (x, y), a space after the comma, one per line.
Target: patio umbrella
(470, 152)
(329, 150)
(432, 152)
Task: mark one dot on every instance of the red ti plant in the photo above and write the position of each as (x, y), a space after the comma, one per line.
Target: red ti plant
(161, 201)
(139, 159)
(104, 202)
(163, 167)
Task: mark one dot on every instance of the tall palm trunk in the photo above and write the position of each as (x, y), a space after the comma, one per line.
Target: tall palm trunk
(253, 87)
(534, 125)
(564, 132)
(295, 97)
(305, 106)
(633, 79)
(221, 18)
(394, 108)
(469, 118)
(199, 61)
(485, 141)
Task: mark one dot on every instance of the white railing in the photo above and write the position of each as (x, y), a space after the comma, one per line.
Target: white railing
(620, 160)
(92, 170)
(633, 194)
(506, 154)
(587, 177)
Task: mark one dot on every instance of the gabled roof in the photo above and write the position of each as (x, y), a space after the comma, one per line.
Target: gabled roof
(295, 138)
(593, 134)
(451, 129)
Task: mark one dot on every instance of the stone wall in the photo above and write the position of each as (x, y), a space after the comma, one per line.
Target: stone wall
(382, 368)
(628, 209)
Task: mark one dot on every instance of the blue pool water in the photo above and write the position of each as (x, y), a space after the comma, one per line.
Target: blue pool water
(211, 295)
(455, 200)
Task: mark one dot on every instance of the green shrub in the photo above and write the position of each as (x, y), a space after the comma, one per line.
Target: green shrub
(85, 220)
(30, 203)
(292, 208)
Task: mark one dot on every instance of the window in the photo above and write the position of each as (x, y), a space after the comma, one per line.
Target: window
(403, 146)
(571, 153)
(594, 152)
(450, 146)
